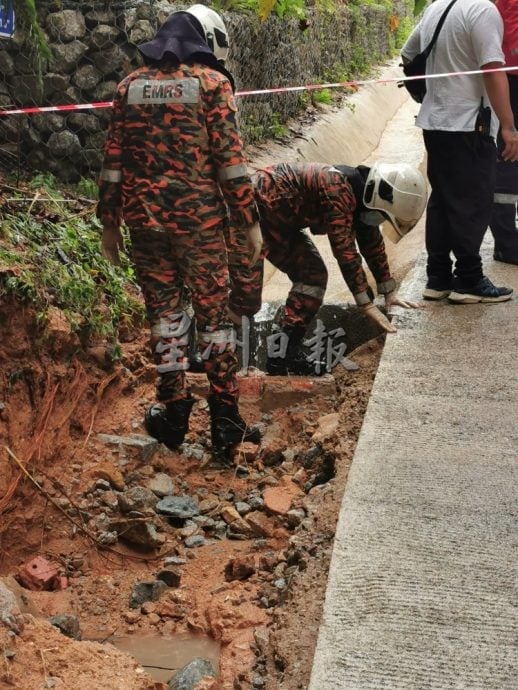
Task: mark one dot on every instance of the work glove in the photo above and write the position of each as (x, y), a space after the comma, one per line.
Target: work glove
(372, 312)
(254, 241)
(112, 243)
(392, 300)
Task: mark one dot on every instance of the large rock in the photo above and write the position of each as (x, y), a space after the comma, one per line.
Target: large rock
(67, 624)
(66, 25)
(137, 498)
(64, 144)
(103, 36)
(53, 82)
(180, 507)
(109, 61)
(87, 77)
(66, 56)
(161, 485)
(145, 11)
(83, 122)
(47, 123)
(100, 16)
(105, 91)
(146, 591)
(190, 676)
(142, 31)
(136, 531)
(70, 95)
(93, 158)
(9, 611)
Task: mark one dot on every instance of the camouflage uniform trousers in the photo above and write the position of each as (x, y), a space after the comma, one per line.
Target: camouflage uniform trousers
(293, 253)
(246, 282)
(166, 264)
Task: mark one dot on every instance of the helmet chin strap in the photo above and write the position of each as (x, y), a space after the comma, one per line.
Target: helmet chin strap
(372, 217)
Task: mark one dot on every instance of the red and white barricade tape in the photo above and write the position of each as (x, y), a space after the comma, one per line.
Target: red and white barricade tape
(31, 110)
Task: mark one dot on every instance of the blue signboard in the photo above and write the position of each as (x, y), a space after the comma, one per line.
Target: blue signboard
(6, 18)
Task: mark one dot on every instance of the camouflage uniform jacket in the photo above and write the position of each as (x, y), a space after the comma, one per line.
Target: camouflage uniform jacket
(321, 198)
(173, 155)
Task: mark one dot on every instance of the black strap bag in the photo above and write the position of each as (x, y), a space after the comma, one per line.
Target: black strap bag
(417, 66)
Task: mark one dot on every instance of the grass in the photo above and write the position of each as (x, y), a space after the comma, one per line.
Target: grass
(322, 96)
(52, 257)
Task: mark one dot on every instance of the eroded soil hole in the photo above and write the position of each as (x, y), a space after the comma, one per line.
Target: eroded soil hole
(246, 569)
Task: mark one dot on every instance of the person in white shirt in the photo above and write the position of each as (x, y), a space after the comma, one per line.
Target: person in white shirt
(459, 130)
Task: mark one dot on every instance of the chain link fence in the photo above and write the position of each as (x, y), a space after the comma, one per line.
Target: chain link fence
(94, 44)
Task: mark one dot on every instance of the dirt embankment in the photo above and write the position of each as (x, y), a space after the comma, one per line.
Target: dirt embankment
(249, 561)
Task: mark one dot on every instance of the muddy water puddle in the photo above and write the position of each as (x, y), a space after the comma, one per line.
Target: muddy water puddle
(163, 656)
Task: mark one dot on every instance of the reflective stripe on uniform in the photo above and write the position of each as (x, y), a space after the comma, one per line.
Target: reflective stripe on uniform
(232, 172)
(505, 198)
(111, 175)
(362, 298)
(309, 290)
(152, 91)
(387, 286)
(217, 337)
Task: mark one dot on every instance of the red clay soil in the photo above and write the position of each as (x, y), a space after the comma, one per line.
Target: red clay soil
(257, 592)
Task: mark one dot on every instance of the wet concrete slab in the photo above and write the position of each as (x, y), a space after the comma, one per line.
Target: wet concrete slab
(422, 584)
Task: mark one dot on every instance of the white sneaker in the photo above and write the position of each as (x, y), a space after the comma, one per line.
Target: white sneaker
(430, 293)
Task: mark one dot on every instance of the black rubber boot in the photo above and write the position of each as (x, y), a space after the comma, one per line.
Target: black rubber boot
(228, 428)
(196, 364)
(296, 362)
(169, 423)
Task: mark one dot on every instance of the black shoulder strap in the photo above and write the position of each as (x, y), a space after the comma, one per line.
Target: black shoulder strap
(428, 49)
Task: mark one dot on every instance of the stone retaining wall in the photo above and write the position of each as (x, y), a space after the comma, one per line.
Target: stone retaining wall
(94, 46)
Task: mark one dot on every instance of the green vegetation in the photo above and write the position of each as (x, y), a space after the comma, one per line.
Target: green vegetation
(54, 258)
(322, 96)
(38, 49)
(88, 188)
(277, 129)
(298, 8)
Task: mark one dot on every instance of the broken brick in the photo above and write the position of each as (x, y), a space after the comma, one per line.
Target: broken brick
(39, 575)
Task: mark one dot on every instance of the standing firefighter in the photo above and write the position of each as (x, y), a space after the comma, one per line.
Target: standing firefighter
(174, 170)
(345, 203)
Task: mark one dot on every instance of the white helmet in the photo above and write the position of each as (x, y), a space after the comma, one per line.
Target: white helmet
(399, 191)
(214, 30)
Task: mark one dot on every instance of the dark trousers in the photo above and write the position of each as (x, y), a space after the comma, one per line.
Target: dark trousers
(503, 218)
(461, 171)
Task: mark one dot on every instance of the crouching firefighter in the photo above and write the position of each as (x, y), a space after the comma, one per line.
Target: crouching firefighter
(348, 204)
(174, 170)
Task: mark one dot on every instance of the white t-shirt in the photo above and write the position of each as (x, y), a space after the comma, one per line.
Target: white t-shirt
(471, 37)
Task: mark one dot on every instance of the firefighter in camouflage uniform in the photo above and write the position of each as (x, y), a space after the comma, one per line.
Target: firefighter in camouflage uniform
(174, 171)
(348, 205)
